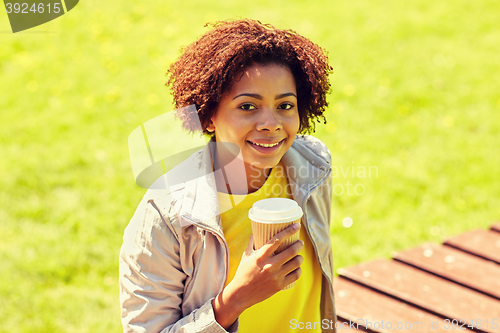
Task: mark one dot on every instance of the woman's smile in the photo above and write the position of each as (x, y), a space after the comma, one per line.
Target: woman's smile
(266, 147)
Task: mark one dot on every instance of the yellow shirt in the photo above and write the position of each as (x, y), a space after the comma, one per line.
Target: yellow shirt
(284, 310)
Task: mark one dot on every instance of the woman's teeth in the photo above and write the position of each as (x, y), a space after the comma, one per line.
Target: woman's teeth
(266, 145)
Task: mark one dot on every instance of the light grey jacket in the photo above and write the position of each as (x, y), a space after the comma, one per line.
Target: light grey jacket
(174, 259)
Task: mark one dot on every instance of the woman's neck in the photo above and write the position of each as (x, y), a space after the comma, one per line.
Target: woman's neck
(238, 177)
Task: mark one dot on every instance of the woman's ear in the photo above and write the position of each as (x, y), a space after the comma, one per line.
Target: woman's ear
(211, 127)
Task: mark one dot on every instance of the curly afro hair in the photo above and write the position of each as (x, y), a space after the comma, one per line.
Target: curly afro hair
(206, 69)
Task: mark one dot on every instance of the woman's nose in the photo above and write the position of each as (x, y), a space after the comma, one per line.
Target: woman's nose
(268, 120)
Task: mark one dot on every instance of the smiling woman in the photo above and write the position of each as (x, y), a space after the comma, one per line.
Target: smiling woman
(188, 262)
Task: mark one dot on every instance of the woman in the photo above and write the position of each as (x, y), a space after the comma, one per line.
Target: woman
(188, 263)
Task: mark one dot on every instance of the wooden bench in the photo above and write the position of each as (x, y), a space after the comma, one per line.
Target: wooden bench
(430, 288)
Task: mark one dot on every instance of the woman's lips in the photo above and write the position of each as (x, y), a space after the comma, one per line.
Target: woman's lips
(266, 150)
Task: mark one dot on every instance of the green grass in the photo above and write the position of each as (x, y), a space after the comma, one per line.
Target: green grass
(414, 94)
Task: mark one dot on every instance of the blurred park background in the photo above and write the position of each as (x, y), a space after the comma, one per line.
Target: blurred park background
(415, 96)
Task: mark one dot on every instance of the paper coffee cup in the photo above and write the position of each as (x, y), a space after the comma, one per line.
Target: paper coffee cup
(269, 217)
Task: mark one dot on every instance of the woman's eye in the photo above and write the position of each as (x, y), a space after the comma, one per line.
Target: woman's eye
(286, 106)
(247, 107)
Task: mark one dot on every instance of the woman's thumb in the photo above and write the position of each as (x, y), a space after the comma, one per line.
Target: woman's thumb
(250, 246)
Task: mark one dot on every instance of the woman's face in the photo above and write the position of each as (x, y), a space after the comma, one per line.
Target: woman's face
(259, 114)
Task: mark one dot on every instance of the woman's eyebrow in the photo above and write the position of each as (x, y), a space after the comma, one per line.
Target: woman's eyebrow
(257, 96)
(285, 95)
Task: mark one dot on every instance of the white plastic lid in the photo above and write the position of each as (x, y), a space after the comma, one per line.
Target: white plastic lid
(275, 210)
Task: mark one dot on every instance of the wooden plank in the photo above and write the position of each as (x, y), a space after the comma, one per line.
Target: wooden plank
(426, 291)
(345, 326)
(457, 266)
(482, 243)
(496, 227)
(365, 308)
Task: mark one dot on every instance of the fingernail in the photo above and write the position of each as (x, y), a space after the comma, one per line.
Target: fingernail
(296, 226)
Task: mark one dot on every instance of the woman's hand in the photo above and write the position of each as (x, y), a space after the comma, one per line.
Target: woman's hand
(260, 274)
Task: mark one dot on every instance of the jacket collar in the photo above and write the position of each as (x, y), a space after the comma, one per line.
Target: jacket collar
(305, 168)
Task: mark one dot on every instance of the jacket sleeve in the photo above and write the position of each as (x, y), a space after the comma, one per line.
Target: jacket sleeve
(152, 280)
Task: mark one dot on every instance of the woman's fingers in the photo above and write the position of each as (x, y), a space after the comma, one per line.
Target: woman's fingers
(273, 244)
(261, 273)
(292, 264)
(289, 253)
(292, 276)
